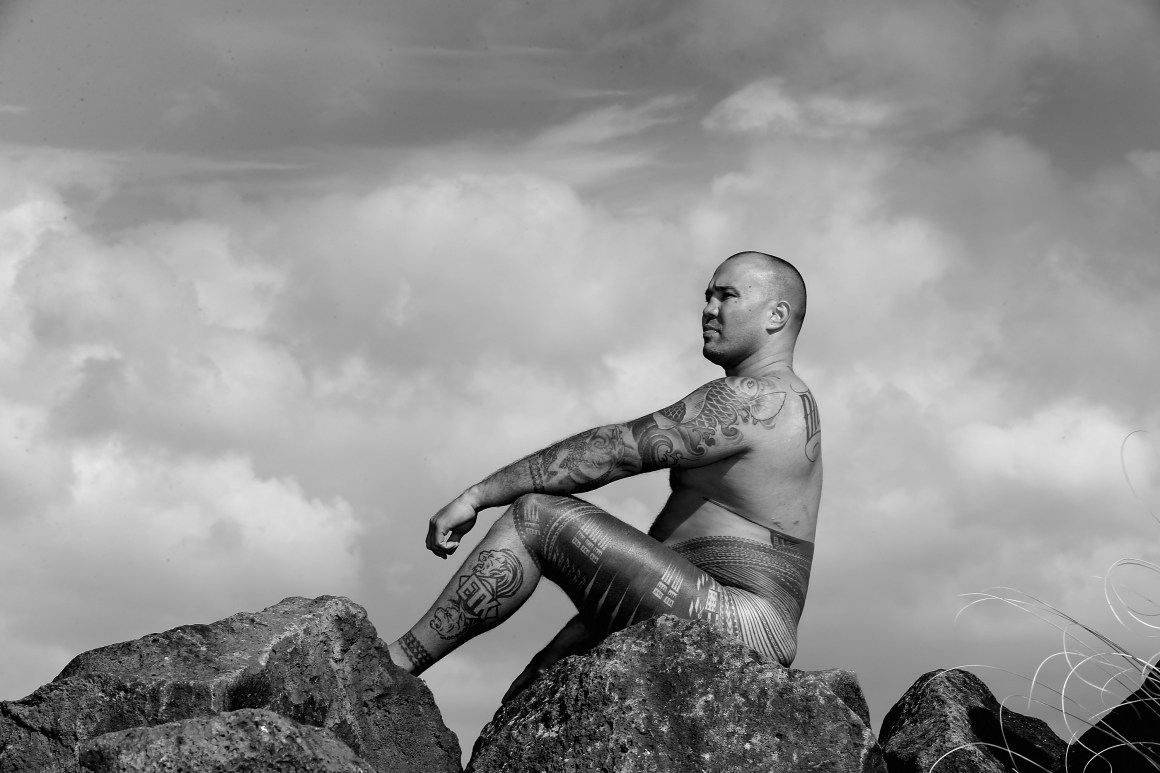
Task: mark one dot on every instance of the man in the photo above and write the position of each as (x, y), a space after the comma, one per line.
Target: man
(734, 542)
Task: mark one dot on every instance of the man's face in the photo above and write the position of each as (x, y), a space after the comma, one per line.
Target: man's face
(736, 304)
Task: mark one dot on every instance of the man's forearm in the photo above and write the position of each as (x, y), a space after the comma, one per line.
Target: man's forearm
(580, 463)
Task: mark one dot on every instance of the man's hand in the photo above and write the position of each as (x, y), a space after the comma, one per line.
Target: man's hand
(449, 525)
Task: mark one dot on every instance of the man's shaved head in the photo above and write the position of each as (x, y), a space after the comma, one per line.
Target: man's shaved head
(785, 282)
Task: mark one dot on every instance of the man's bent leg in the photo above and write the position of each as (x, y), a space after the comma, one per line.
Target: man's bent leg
(496, 579)
(615, 574)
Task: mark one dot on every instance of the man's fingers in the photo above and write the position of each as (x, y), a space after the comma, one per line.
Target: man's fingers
(442, 544)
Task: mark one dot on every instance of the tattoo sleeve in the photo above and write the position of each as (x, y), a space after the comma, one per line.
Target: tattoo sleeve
(577, 464)
(705, 424)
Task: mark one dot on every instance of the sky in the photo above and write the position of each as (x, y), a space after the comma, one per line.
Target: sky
(280, 279)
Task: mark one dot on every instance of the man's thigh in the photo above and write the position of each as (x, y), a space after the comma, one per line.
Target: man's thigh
(615, 574)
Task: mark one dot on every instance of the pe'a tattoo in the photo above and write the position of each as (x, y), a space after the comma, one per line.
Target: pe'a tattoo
(416, 651)
(497, 575)
(685, 430)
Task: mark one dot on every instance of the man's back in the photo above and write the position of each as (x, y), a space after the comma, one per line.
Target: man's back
(773, 484)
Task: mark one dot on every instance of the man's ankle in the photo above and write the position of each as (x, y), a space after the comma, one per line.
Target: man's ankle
(399, 657)
(409, 654)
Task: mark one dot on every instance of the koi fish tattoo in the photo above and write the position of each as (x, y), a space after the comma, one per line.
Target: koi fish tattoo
(685, 430)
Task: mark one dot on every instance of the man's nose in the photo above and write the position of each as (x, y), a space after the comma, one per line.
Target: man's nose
(710, 310)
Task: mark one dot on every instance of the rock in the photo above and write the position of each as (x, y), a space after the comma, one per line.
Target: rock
(951, 718)
(1126, 738)
(674, 695)
(233, 742)
(317, 662)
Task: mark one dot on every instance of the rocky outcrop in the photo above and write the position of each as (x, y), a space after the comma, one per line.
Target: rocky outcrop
(234, 742)
(674, 695)
(306, 685)
(949, 721)
(1126, 738)
(318, 663)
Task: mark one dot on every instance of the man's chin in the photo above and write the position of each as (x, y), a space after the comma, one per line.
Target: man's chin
(715, 356)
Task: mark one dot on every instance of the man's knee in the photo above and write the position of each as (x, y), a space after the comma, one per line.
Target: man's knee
(530, 513)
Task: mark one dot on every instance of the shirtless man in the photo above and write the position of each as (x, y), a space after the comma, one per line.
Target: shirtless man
(734, 542)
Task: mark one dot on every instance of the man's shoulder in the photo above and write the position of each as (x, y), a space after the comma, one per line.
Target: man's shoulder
(748, 398)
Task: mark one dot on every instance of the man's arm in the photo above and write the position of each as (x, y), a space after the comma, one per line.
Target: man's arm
(705, 427)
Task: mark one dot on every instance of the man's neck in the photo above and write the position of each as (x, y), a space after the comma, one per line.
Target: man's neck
(762, 364)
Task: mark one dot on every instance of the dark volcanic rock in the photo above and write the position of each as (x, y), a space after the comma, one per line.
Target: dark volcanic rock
(234, 742)
(673, 695)
(1126, 738)
(318, 662)
(952, 718)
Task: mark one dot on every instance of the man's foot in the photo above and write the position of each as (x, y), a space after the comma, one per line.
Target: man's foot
(558, 649)
(530, 674)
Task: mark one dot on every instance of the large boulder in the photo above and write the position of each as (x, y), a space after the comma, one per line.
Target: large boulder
(244, 741)
(949, 721)
(317, 662)
(674, 695)
(1126, 738)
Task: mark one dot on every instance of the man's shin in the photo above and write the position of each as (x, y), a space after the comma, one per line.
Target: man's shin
(494, 581)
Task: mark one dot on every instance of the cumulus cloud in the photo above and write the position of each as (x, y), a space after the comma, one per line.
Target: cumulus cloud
(262, 386)
(132, 373)
(1065, 447)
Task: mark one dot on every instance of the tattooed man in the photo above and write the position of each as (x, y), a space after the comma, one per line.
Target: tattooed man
(734, 542)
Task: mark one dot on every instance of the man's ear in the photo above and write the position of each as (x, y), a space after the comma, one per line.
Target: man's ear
(778, 317)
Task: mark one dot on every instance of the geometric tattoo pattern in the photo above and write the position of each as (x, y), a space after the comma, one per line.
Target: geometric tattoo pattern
(496, 576)
(813, 426)
(416, 651)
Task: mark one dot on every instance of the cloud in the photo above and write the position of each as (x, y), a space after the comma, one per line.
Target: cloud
(764, 106)
(203, 396)
(613, 122)
(274, 367)
(139, 531)
(938, 67)
(133, 369)
(1147, 162)
(1064, 447)
(188, 104)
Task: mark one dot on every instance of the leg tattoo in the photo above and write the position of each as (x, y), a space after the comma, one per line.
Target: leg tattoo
(476, 602)
(616, 575)
(418, 654)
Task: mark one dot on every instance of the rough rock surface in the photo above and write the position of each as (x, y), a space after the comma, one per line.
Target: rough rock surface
(673, 695)
(1126, 738)
(317, 662)
(233, 742)
(951, 718)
